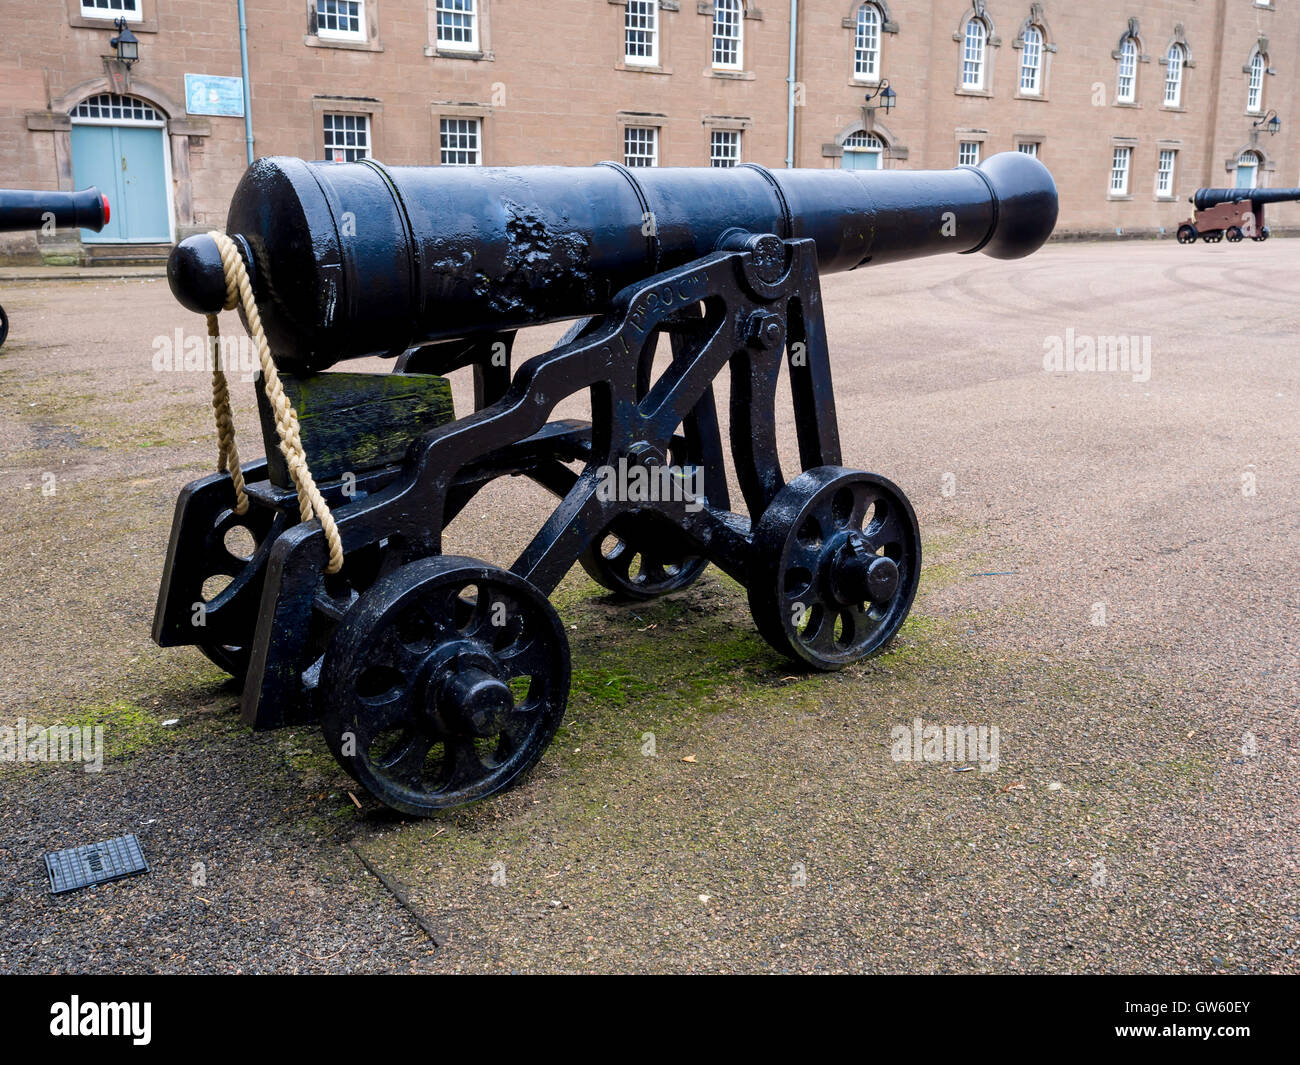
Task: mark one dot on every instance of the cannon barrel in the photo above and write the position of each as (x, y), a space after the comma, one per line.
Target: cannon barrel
(353, 259)
(22, 209)
(1203, 199)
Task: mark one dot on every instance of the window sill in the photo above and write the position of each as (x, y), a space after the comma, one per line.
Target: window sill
(972, 92)
(312, 41)
(432, 52)
(1166, 199)
(1041, 97)
(106, 23)
(1119, 196)
(864, 83)
(1126, 103)
(1177, 109)
(729, 75)
(642, 68)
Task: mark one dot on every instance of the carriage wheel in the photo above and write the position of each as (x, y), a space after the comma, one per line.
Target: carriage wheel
(837, 560)
(443, 683)
(639, 563)
(1234, 234)
(1187, 234)
(4, 325)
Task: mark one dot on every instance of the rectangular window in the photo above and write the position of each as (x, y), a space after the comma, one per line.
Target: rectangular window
(341, 20)
(461, 141)
(1255, 86)
(1126, 85)
(641, 32)
(347, 138)
(457, 25)
(112, 9)
(1165, 173)
(968, 153)
(728, 25)
(972, 62)
(1031, 62)
(1119, 161)
(640, 146)
(1029, 148)
(724, 147)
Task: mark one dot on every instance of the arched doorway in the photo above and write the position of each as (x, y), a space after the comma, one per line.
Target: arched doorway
(862, 151)
(119, 143)
(1247, 173)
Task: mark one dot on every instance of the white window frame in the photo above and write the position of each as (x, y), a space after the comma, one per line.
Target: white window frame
(1031, 62)
(1252, 160)
(634, 159)
(1029, 148)
(864, 143)
(455, 12)
(729, 18)
(1255, 83)
(364, 124)
(134, 13)
(1165, 174)
(1121, 161)
(866, 43)
(725, 147)
(974, 54)
(968, 153)
(641, 29)
(460, 126)
(327, 34)
(1126, 72)
(1175, 62)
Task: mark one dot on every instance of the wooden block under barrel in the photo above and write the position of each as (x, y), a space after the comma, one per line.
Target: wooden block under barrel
(354, 421)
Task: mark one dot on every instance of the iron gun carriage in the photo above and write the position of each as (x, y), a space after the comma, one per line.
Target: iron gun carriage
(438, 679)
(1232, 213)
(35, 209)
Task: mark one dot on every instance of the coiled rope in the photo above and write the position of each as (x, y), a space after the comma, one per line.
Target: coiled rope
(311, 504)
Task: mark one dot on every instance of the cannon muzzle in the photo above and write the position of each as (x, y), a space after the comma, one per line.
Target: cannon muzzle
(353, 259)
(1203, 199)
(28, 209)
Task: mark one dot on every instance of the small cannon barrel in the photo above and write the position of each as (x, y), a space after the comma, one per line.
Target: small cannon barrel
(26, 209)
(1203, 199)
(353, 259)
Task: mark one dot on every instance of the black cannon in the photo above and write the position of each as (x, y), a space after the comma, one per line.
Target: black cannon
(1234, 213)
(30, 209)
(439, 679)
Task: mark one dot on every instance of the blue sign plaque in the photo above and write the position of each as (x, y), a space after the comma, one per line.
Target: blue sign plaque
(209, 94)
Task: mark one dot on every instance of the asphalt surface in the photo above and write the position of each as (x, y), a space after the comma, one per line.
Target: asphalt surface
(1109, 580)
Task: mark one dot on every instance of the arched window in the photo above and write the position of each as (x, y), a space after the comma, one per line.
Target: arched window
(866, 44)
(728, 34)
(1174, 75)
(1247, 176)
(1126, 83)
(1255, 84)
(973, 54)
(862, 151)
(1031, 61)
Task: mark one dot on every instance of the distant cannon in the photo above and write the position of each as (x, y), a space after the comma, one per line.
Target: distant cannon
(1231, 213)
(33, 209)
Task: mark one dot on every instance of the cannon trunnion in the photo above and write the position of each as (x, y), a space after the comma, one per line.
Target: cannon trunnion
(439, 679)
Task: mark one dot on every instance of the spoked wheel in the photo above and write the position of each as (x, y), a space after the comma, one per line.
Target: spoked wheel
(635, 561)
(837, 559)
(1187, 234)
(443, 683)
(1233, 234)
(1261, 235)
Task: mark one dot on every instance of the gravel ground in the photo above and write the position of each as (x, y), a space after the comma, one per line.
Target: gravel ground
(1109, 581)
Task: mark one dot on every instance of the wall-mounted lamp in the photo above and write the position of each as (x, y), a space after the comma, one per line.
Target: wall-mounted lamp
(126, 44)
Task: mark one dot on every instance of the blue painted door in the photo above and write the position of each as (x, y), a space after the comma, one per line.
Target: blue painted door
(127, 164)
(852, 160)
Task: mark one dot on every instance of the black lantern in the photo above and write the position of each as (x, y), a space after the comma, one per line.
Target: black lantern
(126, 43)
(886, 95)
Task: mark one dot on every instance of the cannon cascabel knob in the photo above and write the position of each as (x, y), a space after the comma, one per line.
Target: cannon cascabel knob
(196, 276)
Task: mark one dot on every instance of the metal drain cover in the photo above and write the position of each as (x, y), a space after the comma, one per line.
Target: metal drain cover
(95, 863)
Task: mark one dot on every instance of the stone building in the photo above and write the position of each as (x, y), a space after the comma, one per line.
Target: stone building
(1131, 103)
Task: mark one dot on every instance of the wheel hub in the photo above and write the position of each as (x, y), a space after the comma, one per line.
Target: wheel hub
(464, 692)
(858, 574)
